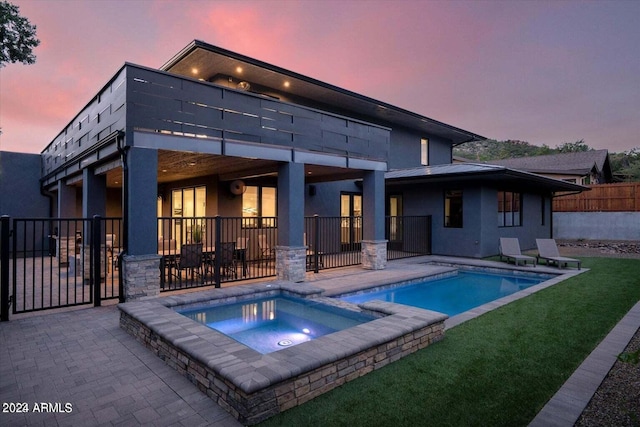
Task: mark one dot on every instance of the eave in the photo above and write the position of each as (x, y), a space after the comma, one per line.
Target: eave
(211, 60)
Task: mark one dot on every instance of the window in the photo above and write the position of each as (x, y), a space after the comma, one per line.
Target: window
(543, 210)
(424, 151)
(190, 204)
(259, 202)
(509, 209)
(453, 208)
(395, 218)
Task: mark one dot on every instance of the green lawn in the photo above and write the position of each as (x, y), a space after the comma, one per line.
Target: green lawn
(498, 369)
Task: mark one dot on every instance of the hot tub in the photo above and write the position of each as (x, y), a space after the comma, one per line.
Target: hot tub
(253, 386)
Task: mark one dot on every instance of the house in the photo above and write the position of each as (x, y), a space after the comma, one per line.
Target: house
(217, 146)
(583, 167)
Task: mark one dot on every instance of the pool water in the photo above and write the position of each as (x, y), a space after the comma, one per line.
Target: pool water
(452, 295)
(271, 324)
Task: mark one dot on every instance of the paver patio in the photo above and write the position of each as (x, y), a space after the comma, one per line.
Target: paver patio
(84, 359)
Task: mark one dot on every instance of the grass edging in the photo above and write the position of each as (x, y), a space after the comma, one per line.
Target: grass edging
(498, 369)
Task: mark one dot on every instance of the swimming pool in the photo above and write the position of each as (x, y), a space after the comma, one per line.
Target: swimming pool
(451, 295)
(271, 324)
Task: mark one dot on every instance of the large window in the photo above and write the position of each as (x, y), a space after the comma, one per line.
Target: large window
(509, 209)
(188, 203)
(424, 152)
(259, 202)
(453, 208)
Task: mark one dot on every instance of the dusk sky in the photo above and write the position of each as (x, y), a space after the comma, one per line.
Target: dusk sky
(547, 72)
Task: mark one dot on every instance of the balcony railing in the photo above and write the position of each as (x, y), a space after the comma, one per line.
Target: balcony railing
(147, 100)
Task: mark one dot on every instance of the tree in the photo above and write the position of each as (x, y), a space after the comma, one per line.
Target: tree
(573, 147)
(18, 36)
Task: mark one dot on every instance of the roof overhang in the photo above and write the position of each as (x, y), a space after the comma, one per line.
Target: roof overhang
(202, 60)
(473, 173)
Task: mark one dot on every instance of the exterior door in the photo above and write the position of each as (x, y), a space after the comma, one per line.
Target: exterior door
(351, 221)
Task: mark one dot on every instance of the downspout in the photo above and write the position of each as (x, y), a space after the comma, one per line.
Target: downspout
(49, 195)
(123, 149)
(553, 195)
(52, 230)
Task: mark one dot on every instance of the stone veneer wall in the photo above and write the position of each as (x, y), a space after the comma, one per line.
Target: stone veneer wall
(141, 276)
(264, 403)
(374, 254)
(291, 263)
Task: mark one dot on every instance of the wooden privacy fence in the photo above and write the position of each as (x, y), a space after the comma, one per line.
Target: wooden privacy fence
(621, 197)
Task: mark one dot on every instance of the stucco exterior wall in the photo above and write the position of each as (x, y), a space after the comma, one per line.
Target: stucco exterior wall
(406, 149)
(480, 234)
(596, 225)
(20, 186)
(532, 227)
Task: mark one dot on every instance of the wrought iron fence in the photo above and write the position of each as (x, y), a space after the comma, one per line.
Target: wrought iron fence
(228, 249)
(407, 236)
(59, 262)
(332, 241)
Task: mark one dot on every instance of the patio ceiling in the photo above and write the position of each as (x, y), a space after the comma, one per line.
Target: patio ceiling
(178, 166)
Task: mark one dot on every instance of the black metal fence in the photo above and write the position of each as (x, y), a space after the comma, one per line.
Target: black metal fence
(408, 236)
(226, 249)
(332, 241)
(58, 262)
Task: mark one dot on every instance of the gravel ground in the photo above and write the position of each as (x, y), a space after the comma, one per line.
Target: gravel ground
(617, 400)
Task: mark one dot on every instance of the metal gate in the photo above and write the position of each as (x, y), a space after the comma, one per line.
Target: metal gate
(332, 243)
(51, 263)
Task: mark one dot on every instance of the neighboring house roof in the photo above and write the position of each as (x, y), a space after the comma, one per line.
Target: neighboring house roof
(500, 175)
(580, 163)
(211, 60)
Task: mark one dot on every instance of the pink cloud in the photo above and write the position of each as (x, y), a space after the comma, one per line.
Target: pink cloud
(522, 70)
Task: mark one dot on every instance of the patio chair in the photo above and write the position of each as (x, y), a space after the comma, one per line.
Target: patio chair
(266, 251)
(190, 260)
(510, 249)
(242, 246)
(548, 251)
(228, 262)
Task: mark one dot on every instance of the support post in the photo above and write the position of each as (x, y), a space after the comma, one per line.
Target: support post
(316, 237)
(4, 268)
(95, 255)
(218, 250)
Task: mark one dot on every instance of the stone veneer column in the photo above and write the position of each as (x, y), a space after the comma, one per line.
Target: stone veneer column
(290, 252)
(374, 245)
(141, 276)
(374, 254)
(291, 263)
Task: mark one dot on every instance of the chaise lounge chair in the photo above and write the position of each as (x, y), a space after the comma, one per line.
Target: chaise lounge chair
(548, 250)
(510, 249)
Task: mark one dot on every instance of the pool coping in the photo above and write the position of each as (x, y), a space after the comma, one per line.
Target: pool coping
(560, 276)
(243, 379)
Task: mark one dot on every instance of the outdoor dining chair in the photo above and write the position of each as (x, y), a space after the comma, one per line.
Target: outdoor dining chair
(190, 260)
